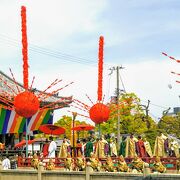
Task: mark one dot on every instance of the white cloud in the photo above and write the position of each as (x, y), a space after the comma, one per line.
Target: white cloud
(52, 21)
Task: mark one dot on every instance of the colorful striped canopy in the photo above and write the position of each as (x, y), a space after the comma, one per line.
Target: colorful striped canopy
(11, 122)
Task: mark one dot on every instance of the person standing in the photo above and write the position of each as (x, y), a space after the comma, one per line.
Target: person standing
(174, 148)
(131, 146)
(122, 150)
(45, 149)
(100, 153)
(64, 149)
(6, 163)
(159, 149)
(141, 151)
(89, 148)
(52, 148)
(148, 148)
(113, 149)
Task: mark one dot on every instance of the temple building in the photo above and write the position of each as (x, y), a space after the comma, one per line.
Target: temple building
(11, 124)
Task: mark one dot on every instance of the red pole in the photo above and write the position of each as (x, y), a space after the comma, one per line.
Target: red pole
(24, 47)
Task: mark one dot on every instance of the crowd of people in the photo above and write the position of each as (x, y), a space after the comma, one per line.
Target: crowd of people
(130, 147)
(101, 154)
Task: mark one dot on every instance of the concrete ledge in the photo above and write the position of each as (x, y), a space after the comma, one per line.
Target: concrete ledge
(19, 174)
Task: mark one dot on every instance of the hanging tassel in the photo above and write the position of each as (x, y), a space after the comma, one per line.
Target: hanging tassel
(100, 67)
(24, 47)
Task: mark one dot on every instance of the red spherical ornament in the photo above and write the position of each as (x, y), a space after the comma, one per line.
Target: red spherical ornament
(26, 104)
(99, 113)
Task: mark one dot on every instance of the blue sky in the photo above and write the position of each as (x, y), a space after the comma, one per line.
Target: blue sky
(135, 32)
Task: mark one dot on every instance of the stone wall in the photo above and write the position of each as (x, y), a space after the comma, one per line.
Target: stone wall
(40, 174)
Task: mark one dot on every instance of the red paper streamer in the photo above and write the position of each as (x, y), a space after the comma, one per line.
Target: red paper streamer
(100, 67)
(170, 57)
(24, 47)
(175, 73)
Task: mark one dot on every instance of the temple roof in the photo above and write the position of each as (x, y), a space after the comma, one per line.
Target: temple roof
(7, 84)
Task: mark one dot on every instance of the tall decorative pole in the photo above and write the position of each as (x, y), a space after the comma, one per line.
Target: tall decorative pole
(100, 67)
(25, 60)
(24, 47)
(74, 151)
(99, 112)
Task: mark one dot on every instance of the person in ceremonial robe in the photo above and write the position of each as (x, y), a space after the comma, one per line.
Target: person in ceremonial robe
(69, 163)
(140, 147)
(122, 150)
(158, 166)
(109, 165)
(137, 164)
(113, 149)
(63, 149)
(35, 161)
(100, 147)
(174, 148)
(94, 162)
(80, 163)
(52, 148)
(89, 148)
(45, 149)
(159, 149)
(131, 146)
(148, 148)
(122, 165)
(50, 165)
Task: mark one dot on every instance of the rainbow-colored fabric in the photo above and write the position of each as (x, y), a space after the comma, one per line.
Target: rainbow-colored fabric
(11, 122)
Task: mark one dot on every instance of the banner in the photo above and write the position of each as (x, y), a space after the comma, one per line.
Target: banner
(11, 122)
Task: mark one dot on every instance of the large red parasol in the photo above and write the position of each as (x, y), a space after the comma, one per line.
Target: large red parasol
(23, 143)
(51, 129)
(83, 127)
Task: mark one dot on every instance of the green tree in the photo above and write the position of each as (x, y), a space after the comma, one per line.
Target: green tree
(170, 125)
(66, 122)
(132, 116)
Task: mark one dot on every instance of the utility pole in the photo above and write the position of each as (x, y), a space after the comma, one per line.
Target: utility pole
(117, 68)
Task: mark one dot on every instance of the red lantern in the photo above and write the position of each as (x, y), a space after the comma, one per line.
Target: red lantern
(26, 104)
(99, 113)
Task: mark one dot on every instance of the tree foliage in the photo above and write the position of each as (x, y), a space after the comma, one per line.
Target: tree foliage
(67, 123)
(133, 118)
(170, 125)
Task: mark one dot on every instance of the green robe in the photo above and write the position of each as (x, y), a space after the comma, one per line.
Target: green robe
(122, 150)
(89, 149)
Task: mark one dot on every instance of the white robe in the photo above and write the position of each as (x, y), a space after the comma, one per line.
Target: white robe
(52, 149)
(6, 164)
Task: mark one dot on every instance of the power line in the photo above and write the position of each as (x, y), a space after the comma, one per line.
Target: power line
(49, 52)
(163, 107)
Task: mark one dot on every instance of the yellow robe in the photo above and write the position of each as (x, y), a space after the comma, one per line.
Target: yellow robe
(130, 147)
(158, 166)
(159, 147)
(100, 148)
(63, 150)
(148, 148)
(122, 166)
